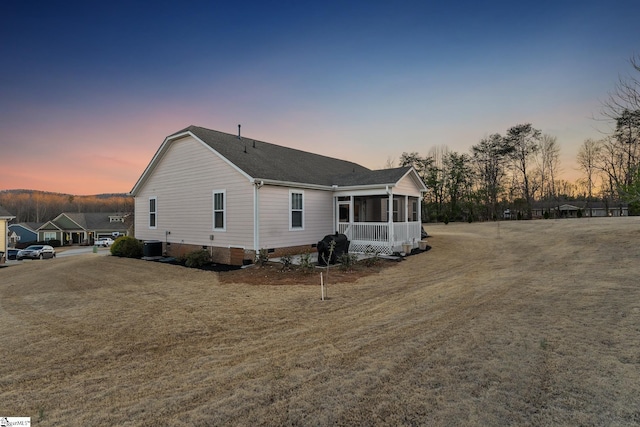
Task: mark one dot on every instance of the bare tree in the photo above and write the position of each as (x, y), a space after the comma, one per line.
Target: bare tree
(548, 164)
(390, 163)
(490, 158)
(525, 140)
(622, 108)
(436, 174)
(626, 94)
(587, 158)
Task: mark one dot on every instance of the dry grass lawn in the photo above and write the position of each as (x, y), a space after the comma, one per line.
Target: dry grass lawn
(526, 323)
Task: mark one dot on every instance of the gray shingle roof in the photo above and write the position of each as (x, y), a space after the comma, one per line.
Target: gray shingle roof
(95, 221)
(377, 177)
(263, 160)
(5, 213)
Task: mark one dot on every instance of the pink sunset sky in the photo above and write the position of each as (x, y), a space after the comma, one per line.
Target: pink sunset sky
(85, 103)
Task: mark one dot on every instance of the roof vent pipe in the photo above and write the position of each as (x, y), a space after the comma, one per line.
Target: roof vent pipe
(239, 132)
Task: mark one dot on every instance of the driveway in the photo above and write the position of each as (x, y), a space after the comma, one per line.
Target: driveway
(80, 250)
(66, 252)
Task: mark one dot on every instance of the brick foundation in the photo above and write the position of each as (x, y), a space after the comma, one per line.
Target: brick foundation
(233, 256)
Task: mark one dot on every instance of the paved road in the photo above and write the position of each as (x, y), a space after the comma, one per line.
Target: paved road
(80, 250)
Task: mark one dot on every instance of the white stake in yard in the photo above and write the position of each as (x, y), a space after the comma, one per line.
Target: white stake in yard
(321, 287)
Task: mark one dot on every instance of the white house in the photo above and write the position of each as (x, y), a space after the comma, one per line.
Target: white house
(5, 217)
(234, 196)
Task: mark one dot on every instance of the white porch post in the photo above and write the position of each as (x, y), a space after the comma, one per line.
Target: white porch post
(406, 216)
(351, 209)
(420, 211)
(391, 235)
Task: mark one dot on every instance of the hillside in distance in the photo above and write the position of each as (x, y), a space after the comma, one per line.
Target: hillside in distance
(41, 206)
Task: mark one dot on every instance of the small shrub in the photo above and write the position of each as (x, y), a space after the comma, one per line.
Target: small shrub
(198, 259)
(127, 247)
(262, 257)
(305, 263)
(287, 262)
(446, 219)
(372, 259)
(546, 215)
(347, 261)
(544, 344)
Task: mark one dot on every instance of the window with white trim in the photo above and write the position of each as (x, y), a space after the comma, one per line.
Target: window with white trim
(219, 210)
(153, 212)
(296, 209)
(413, 203)
(396, 210)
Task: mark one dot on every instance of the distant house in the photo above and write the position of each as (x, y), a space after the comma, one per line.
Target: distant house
(5, 217)
(23, 232)
(235, 196)
(586, 209)
(82, 228)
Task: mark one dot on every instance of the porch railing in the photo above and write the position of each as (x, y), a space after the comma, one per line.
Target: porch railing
(375, 236)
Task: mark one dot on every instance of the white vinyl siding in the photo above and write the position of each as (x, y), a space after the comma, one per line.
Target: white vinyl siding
(407, 186)
(296, 210)
(274, 211)
(183, 180)
(219, 210)
(153, 212)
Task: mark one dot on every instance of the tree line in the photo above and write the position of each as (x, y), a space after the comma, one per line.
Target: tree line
(41, 206)
(520, 167)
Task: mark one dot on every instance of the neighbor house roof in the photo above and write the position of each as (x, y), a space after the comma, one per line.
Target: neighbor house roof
(4, 214)
(85, 221)
(29, 226)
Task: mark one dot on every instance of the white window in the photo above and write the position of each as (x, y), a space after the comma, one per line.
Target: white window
(296, 209)
(153, 212)
(219, 209)
(414, 209)
(396, 210)
(49, 235)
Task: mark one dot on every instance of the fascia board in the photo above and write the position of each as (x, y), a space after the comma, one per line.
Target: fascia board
(292, 184)
(47, 223)
(370, 187)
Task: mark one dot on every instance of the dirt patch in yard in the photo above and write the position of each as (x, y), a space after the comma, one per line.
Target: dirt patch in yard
(273, 273)
(524, 323)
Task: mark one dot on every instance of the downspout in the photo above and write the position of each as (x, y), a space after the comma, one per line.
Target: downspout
(334, 216)
(256, 215)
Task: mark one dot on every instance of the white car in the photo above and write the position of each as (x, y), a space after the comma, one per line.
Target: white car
(104, 241)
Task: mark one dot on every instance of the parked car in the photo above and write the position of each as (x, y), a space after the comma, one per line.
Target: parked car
(12, 253)
(36, 252)
(104, 241)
